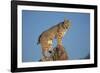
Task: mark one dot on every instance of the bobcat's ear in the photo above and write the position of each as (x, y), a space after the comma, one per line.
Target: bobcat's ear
(65, 21)
(69, 23)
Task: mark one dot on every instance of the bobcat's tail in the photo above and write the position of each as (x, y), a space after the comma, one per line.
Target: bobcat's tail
(39, 39)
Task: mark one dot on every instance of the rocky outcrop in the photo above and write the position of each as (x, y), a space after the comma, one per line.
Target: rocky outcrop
(59, 54)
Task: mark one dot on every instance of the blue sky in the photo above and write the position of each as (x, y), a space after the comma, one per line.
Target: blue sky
(76, 40)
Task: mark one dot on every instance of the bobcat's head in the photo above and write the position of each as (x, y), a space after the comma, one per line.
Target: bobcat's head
(67, 24)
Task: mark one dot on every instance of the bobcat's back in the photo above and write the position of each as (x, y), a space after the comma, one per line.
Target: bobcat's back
(50, 33)
(53, 32)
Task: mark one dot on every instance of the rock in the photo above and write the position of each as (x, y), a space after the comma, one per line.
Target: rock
(60, 53)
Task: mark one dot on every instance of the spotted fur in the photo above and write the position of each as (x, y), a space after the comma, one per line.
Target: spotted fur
(55, 32)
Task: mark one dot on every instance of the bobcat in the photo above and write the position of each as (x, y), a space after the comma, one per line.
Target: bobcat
(47, 37)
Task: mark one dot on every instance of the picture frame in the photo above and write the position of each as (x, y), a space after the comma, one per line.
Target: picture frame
(19, 62)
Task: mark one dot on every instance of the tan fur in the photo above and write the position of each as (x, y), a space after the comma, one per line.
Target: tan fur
(57, 32)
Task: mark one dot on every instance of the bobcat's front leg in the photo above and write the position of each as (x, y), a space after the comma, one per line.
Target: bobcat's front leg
(59, 38)
(47, 49)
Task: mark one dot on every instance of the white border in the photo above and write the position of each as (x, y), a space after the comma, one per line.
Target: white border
(55, 63)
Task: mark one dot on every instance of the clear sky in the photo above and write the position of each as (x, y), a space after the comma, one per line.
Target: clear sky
(76, 40)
